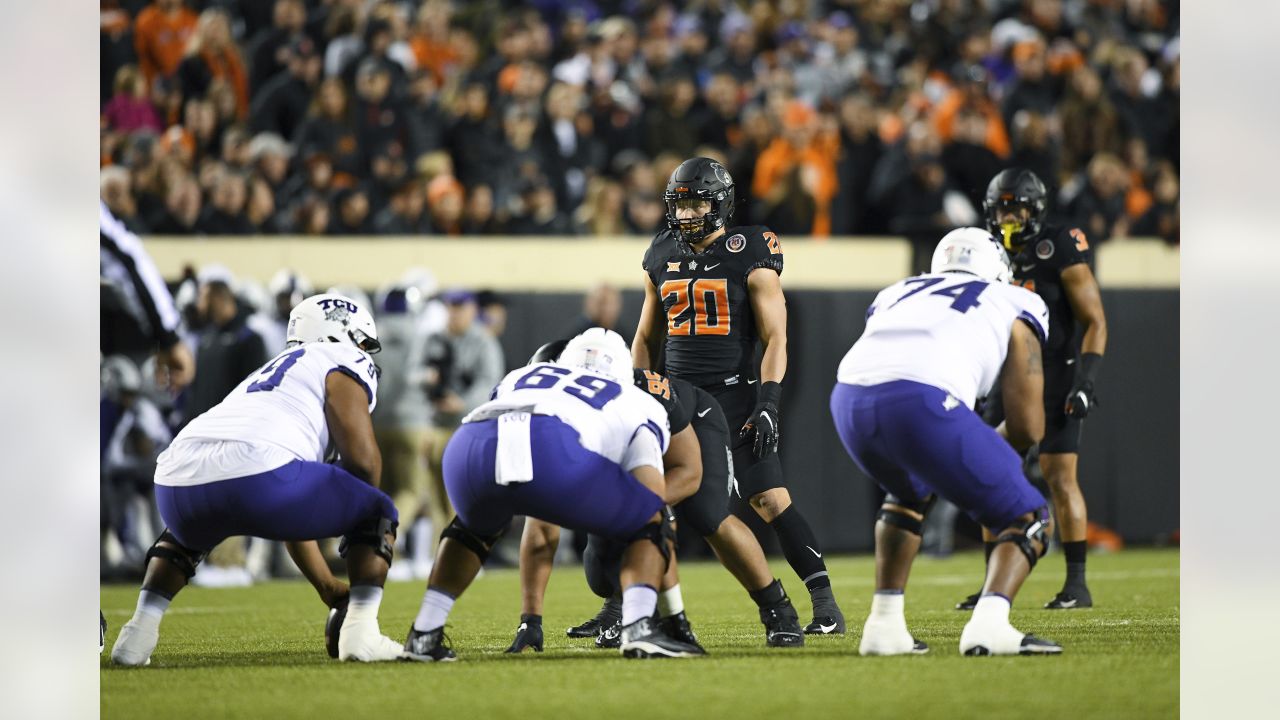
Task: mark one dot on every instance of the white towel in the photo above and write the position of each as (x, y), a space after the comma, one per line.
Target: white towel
(515, 459)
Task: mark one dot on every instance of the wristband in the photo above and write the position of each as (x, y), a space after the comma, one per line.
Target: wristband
(1089, 364)
(771, 392)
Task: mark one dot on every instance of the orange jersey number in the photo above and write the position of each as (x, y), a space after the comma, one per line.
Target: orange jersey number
(775, 247)
(710, 300)
(1028, 284)
(658, 385)
(1082, 243)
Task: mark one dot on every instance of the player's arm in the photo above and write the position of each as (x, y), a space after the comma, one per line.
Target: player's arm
(307, 556)
(346, 409)
(1086, 304)
(683, 466)
(764, 287)
(1022, 386)
(649, 333)
(538, 545)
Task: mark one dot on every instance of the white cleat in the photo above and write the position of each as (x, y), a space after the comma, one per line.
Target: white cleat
(886, 637)
(364, 643)
(134, 645)
(983, 640)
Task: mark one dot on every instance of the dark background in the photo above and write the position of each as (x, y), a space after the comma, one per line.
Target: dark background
(1129, 457)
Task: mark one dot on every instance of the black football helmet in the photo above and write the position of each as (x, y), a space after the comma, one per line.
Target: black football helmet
(549, 352)
(1012, 189)
(699, 178)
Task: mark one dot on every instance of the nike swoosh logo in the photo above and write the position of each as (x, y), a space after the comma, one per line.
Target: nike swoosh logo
(1068, 603)
(826, 628)
(704, 412)
(752, 382)
(818, 555)
(1026, 268)
(709, 267)
(523, 627)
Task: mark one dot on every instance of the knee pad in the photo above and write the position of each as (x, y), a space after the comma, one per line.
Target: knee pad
(372, 532)
(478, 544)
(602, 561)
(903, 520)
(1026, 533)
(661, 534)
(180, 555)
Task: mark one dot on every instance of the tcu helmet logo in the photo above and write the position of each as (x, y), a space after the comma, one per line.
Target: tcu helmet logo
(736, 243)
(337, 310)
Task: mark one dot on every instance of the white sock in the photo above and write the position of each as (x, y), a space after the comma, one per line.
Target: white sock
(888, 605)
(436, 605)
(150, 609)
(364, 603)
(992, 609)
(670, 601)
(638, 601)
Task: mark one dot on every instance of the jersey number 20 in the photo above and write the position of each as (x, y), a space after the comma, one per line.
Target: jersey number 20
(710, 300)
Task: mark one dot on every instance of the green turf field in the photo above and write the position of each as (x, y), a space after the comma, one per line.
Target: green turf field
(258, 653)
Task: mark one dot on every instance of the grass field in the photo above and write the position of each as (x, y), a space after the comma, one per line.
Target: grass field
(258, 653)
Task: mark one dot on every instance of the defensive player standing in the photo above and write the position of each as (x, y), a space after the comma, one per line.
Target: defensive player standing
(1056, 263)
(253, 465)
(903, 407)
(712, 291)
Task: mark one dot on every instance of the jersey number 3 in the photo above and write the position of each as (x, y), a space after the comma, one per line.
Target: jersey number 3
(709, 299)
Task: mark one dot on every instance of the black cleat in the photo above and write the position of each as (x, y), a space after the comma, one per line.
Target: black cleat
(332, 626)
(643, 639)
(102, 632)
(918, 647)
(609, 613)
(1032, 645)
(430, 646)
(970, 602)
(826, 624)
(610, 636)
(528, 634)
(677, 628)
(1071, 598)
(782, 626)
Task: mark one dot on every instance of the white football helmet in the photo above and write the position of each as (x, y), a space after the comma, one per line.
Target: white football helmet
(975, 251)
(333, 318)
(601, 350)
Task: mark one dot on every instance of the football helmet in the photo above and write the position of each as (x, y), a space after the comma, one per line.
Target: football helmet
(549, 352)
(975, 251)
(287, 289)
(333, 318)
(1013, 189)
(695, 180)
(601, 350)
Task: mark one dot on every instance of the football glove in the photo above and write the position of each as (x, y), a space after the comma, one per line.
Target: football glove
(763, 426)
(1081, 398)
(529, 634)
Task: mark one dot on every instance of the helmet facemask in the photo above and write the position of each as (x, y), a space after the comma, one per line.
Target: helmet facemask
(691, 230)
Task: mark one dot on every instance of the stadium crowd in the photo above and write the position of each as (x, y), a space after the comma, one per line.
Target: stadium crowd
(560, 117)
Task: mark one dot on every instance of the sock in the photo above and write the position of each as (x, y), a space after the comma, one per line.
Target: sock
(611, 611)
(436, 605)
(1075, 553)
(992, 608)
(888, 604)
(531, 619)
(151, 607)
(987, 549)
(770, 595)
(670, 601)
(364, 603)
(801, 548)
(638, 601)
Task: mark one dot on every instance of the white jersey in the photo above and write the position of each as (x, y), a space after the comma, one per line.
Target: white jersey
(273, 417)
(618, 421)
(948, 330)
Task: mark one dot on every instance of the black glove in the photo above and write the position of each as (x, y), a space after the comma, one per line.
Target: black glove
(764, 421)
(1081, 399)
(529, 634)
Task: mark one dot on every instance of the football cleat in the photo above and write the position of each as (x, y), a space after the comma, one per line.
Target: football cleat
(643, 639)
(782, 626)
(609, 614)
(333, 628)
(528, 634)
(363, 642)
(983, 639)
(677, 628)
(889, 638)
(135, 644)
(1029, 645)
(1071, 598)
(970, 602)
(610, 636)
(826, 625)
(430, 646)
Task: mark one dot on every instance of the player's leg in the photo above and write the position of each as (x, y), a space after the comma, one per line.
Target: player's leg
(538, 543)
(170, 565)
(897, 532)
(1073, 521)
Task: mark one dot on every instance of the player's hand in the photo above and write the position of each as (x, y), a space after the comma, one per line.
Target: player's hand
(336, 593)
(528, 634)
(764, 424)
(1081, 399)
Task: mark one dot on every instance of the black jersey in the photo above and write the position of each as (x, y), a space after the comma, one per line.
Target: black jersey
(678, 397)
(1038, 267)
(711, 327)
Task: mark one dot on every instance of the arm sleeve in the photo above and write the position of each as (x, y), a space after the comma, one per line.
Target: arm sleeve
(1072, 248)
(125, 249)
(1035, 313)
(764, 249)
(357, 366)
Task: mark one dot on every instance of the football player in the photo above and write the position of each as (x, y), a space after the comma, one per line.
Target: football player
(253, 465)
(712, 291)
(1055, 262)
(903, 407)
(698, 423)
(573, 443)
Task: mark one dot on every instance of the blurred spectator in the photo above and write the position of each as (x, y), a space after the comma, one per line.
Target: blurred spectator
(330, 128)
(478, 214)
(968, 159)
(282, 102)
(270, 155)
(1034, 89)
(602, 213)
(115, 186)
(406, 214)
(260, 209)
(286, 289)
(1096, 201)
(601, 307)
(674, 124)
(181, 212)
(445, 197)
(269, 49)
(539, 214)
(1162, 218)
(493, 312)
(1090, 123)
(129, 110)
(211, 55)
(160, 37)
(1035, 148)
(225, 214)
(350, 213)
(860, 150)
(795, 178)
(380, 116)
(228, 349)
(575, 154)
